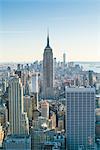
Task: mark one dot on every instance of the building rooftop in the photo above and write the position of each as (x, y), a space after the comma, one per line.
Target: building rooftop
(16, 136)
(80, 89)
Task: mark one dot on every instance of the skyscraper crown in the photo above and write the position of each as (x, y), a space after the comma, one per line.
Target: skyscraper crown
(48, 45)
(48, 40)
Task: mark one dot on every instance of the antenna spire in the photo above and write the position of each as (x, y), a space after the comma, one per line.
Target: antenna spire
(48, 38)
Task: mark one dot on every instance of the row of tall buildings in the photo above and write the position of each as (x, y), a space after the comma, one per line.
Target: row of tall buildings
(46, 108)
(80, 115)
(80, 107)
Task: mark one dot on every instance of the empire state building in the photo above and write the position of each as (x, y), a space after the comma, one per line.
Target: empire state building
(48, 72)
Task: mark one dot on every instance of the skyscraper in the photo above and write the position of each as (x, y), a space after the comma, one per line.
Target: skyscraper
(15, 104)
(34, 86)
(64, 59)
(80, 125)
(90, 77)
(54, 68)
(45, 109)
(48, 72)
(17, 117)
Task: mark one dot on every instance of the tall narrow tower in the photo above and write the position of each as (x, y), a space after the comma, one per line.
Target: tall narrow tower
(48, 71)
(64, 59)
(15, 104)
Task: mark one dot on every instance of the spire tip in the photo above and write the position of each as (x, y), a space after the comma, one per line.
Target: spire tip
(48, 38)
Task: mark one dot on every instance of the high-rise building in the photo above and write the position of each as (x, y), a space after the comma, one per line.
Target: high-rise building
(91, 78)
(1, 135)
(54, 68)
(24, 124)
(53, 120)
(97, 128)
(45, 109)
(34, 83)
(64, 59)
(16, 105)
(3, 114)
(28, 106)
(80, 125)
(48, 72)
(34, 86)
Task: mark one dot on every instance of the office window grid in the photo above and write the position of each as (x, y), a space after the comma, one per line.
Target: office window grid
(80, 119)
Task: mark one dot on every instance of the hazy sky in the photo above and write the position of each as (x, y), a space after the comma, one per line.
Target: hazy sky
(74, 27)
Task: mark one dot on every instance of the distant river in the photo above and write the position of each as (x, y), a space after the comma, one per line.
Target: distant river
(95, 66)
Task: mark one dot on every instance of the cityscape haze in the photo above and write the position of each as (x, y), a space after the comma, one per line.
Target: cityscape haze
(74, 28)
(49, 75)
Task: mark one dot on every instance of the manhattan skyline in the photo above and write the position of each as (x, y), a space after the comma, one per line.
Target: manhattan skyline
(73, 25)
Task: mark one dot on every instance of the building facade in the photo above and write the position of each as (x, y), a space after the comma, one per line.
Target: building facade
(17, 117)
(80, 125)
(48, 72)
(45, 109)
(15, 104)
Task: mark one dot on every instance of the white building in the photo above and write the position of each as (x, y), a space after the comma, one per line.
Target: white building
(45, 109)
(15, 105)
(64, 60)
(28, 106)
(25, 123)
(34, 86)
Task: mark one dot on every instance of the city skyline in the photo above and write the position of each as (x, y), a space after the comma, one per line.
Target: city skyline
(73, 24)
